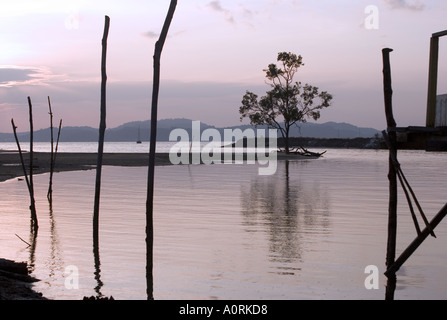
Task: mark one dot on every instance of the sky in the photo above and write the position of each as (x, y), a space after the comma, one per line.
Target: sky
(214, 53)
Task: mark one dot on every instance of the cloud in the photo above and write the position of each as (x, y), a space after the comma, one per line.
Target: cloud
(151, 34)
(216, 6)
(414, 5)
(154, 35)
(20, 75)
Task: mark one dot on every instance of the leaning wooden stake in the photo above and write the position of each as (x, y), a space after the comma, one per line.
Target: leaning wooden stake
(29, 179)
(14, 129)
(57, 142)
(416, 242)
(53, 163)
(392, 174)
(34, 223)
(150, 184)
(102, 128)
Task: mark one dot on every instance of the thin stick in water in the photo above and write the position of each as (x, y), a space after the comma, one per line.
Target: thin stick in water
(102, 128)
(150, 184)
(31, 156)
(50, 185)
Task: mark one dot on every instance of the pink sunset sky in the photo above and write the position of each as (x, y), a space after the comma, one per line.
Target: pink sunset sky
(216, 50)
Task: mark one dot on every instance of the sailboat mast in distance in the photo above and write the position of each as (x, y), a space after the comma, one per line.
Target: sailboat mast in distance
(139, 138)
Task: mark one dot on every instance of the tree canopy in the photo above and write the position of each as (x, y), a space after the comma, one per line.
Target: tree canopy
(288, 102)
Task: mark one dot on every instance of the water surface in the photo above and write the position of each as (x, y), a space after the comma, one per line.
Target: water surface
(225, 232)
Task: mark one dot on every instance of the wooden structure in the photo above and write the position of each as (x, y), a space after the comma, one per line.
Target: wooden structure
(433, 78)
(433, 138)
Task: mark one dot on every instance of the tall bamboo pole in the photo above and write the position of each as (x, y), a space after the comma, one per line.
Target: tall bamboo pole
(150, 184)
(102, 128)
(392, 174)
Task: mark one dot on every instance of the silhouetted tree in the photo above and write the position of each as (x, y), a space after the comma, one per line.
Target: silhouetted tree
(287, 99)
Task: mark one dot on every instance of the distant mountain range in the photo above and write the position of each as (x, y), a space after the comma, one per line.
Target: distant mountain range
(130, 131)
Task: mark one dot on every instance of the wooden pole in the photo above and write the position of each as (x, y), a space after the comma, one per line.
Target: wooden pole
(102, 128)
(50, 185)
(405, 184)
(31, 156)
(153, 138)
(392, 269)
(14, 129)
(57, 141)
(53, 163)
(392, 174)
(432, 81)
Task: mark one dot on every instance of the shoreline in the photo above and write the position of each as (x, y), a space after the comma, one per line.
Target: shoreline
(16, 283)
(11, 167)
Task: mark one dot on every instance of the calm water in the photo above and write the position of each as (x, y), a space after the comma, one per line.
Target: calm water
(112, 147)
(224, 232)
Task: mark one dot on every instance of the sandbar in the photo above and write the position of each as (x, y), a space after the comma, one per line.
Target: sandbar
(11, 167)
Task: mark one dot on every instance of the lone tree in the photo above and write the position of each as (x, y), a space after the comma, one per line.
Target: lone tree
(287, 99)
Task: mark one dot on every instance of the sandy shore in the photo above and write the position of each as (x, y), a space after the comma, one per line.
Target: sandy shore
(10, 164)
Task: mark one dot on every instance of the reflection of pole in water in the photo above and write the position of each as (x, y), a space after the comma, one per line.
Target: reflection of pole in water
(32, 248)
(55, 260)
(97, 272)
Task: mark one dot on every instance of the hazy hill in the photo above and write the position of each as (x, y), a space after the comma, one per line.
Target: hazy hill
(130, 131)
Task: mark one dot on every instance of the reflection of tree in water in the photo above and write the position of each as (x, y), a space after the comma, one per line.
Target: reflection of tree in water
(289, 207)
